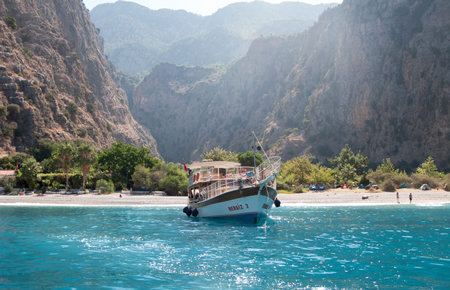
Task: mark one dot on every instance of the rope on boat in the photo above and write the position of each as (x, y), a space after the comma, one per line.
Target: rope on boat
(262, 148)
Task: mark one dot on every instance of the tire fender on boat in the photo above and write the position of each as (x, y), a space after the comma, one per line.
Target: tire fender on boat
(195, 212)
(277, 202)
(187, 211)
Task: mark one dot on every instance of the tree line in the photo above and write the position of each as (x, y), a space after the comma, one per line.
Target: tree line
(347, 168)
(78, 164)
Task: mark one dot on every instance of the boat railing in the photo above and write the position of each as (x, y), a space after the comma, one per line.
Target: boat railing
(236, 178)
(235, 173)
(219, 187)
(269, 167)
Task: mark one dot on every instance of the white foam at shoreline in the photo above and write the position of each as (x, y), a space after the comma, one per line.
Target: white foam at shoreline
(428, 204)
(25, 204)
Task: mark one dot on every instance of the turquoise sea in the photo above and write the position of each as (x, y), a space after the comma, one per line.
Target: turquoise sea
(159, 247)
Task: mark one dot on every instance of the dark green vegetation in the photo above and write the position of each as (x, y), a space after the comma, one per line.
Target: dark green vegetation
(137, 38)
(371, 74)
(57, 165)
(11, 22)
(79, 165)
(297, 174)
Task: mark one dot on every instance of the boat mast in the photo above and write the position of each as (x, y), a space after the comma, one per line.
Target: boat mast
(260, 145)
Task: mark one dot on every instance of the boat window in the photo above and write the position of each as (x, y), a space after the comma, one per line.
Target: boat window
(222, 172)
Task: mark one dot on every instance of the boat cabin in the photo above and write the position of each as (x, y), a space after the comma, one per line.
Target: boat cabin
(210, 178)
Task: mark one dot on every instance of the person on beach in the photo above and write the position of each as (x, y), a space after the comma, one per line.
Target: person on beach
(398, 198)
(410, 198)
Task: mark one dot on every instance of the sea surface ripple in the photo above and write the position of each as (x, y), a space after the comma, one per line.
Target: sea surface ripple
(159, 247)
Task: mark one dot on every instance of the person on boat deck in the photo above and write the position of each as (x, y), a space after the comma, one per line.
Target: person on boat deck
(196, 194)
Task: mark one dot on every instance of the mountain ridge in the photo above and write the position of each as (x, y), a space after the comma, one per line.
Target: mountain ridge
(137, 38)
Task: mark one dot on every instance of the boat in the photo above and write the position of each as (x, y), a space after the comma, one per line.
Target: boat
(222, 189)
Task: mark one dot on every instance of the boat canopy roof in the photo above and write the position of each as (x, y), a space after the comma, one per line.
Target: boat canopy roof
(214, 164)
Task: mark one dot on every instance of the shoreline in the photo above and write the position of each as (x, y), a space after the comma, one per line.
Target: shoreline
(332, 197)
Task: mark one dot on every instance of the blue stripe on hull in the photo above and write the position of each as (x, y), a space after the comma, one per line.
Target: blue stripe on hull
(249, 218)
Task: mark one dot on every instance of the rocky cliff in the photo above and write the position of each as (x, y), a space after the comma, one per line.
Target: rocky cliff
(55, 81)
(373, 74)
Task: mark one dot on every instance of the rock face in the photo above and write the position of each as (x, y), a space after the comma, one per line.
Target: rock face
(138, 38)
(373, 74)
(55, 81)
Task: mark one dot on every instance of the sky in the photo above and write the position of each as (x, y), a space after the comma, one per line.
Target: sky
(201, 7)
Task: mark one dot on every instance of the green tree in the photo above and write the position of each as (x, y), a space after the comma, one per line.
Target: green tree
(11, 22)
(3, 113)
(86, 157)
(295, 172)
(141, 177)
(429, 168)
(43, 150)
(104, 186)
(64, 157)
(29, 171)
(246, 159)
(348, 173)
(156, 174)
(13, 112)
(446, 182)
(10, 162)
(350, 165)
(387, 166)
(300, 170)
(321, 175)
(7, 163)
(121, 159)
(72, 108)
(220, 154)
(174, 181)
(19, 159)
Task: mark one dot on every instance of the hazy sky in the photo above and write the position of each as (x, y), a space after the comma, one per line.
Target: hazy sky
(202, 7)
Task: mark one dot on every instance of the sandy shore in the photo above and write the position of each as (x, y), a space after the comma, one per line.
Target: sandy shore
(333, 197)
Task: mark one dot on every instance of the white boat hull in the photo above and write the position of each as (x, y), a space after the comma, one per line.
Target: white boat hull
(245, 204)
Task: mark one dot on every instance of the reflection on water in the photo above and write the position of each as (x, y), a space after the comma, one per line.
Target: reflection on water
(161, 247)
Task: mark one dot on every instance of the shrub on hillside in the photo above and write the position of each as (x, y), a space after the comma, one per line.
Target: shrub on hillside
(141, 177)
(378, 177)
(104, 186)
(11, 22)
(174, 180)
(401, 179)
(446, 182)
(13, 112)
(388, 185)
(7, 189)
(419, 179)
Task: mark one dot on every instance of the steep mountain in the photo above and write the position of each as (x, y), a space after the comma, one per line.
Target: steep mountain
(373, 74)
(138, 38)
(55, 81)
